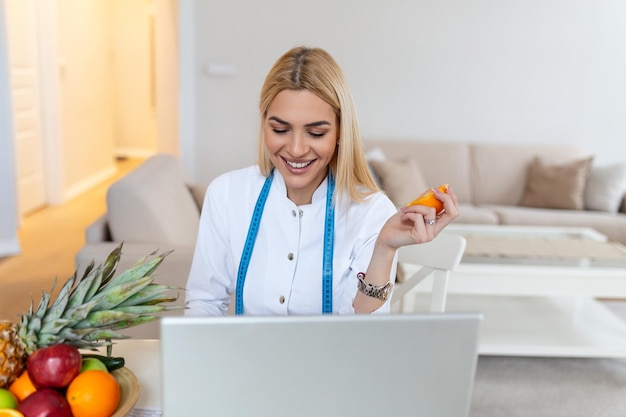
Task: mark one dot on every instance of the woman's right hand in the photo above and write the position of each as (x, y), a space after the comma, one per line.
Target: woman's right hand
(411, 224)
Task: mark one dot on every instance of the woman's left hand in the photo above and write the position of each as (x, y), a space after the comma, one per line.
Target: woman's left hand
(414, 224)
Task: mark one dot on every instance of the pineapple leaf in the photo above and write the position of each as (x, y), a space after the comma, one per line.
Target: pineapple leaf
(85, 344)
(22, 329)
(110, 265)
(139, 270)
(161, 300)
(71, 334)
(136, 272)
(147, 295)
(113, 296)
(47, 339)
(136, 321)
(34, 325)
(146, 309)
(91, 266)
(43, 303)
(55, 326)
(32, 306)
(79, 295)
(103, 319)
(104, 334)
(58, 306)
(143, 260)
(79, 312)
(96, 283)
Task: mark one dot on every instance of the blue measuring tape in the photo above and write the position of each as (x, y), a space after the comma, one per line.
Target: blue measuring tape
(329, 237)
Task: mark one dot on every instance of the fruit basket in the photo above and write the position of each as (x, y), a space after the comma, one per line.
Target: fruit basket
(86, 313)
(129, 388)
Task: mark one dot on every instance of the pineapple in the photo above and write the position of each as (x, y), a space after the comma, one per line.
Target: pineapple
(87, 312)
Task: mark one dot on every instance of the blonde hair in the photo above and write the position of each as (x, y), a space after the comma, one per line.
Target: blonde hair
(315, 70)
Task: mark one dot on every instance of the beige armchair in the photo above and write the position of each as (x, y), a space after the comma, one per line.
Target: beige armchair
(153, 208)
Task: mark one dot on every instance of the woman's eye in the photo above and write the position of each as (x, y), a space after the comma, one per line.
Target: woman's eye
(317, 134)
(279, 131)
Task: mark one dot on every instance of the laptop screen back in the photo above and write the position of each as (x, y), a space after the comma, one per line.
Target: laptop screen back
(366, 365)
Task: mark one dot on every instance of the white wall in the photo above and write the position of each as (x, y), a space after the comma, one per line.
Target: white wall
(483, 70)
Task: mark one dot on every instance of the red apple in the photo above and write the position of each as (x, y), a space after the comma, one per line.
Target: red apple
(54, 366)
(46, 402)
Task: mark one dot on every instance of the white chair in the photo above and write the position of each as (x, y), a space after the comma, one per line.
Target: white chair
(437, 257)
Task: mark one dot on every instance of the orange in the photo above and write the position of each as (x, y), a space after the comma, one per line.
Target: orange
(22, 387)
(427, 198)
(9, 412)
(93, 393)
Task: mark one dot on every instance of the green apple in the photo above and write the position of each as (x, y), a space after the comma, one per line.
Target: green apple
(91, 364)
(7, 399)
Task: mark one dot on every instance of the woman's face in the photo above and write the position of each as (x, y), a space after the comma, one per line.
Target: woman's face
(301, 138)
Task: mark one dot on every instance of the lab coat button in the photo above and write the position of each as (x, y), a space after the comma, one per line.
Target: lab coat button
(281, 299)
(290, 256)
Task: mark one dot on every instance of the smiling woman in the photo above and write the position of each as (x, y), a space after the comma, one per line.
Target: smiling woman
(306, 231)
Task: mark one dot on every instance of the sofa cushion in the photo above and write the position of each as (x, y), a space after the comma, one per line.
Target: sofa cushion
(559, 186)
(471, 214)
(499, 170)
(439, 162)
(402, 181)
(374, 154)
(605, 187)
(153, 204)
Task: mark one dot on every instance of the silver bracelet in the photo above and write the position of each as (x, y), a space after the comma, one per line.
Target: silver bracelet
(381, 292)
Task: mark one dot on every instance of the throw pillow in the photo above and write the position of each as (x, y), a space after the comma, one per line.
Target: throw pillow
(374, 154)
(605, 188)
(402, 181)
(558, 186)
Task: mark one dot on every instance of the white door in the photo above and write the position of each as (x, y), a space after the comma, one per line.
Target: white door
(21, 20)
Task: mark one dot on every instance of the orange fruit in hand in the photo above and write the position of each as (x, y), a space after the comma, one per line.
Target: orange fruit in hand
(93, 393)
(427, 198)
(22, 387)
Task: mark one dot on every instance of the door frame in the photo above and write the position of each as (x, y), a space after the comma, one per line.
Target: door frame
(9, 220)
(187, 84)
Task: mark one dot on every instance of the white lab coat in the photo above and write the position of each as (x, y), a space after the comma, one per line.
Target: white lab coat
(285, 271)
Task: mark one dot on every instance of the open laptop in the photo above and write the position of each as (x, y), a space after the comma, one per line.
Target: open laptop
(333, 366)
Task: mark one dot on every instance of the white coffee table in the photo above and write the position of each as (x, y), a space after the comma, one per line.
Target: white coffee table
(541, 307)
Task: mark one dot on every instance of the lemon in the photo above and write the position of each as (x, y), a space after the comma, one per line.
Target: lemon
(7, 399)
(9, 412)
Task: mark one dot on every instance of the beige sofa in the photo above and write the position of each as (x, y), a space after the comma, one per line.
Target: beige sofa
(492, 181)
(157, 207)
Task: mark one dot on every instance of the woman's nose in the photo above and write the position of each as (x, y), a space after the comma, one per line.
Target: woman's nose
(298, 145)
